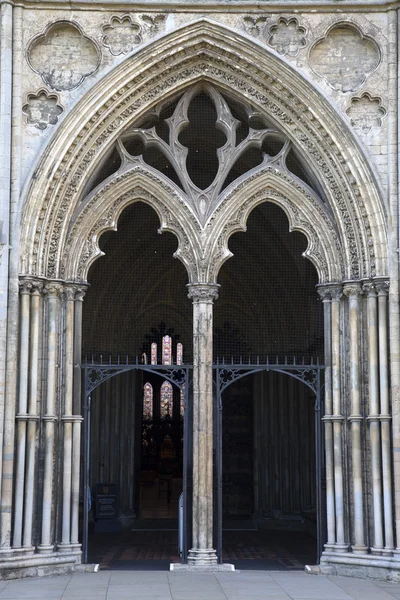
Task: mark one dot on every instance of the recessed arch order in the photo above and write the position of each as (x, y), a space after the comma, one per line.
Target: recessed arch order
(346, 230)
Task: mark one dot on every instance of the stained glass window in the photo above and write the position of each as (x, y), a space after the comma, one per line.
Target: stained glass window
(166, 397)
(148, 401)
(182, 402)
(179, 354)
(154, 353)
(166, 350)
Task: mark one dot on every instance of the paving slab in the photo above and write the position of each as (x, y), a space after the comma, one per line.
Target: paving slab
(162, 585)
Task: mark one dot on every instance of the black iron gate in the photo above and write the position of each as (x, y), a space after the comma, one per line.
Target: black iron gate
(310, 375)
(94, 374)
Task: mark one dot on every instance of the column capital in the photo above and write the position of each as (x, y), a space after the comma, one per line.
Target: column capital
(352, 289)
(80, 292)
(25, 286)
(53, 288)
(203, 292)
(369, 287)
(336, 292)
(382, 287)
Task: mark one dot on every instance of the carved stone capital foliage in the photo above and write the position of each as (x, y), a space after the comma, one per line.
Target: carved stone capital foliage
(324, 293)
(53, 289)
(202, 49)
(203, 292)
(369, 288)
(336, 292)
(352, 289)
(382, 287)
(25, 286)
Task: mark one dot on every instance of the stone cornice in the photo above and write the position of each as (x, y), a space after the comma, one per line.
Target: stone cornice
(211, 5)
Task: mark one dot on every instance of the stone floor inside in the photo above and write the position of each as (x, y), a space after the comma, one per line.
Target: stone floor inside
(152, 549)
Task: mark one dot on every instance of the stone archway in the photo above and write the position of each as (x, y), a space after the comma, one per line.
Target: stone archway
(344, 224)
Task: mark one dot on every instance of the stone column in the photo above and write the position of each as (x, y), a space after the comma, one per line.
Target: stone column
(337, 418)
(33, 417)
(353, 291)
(53, 290)
(325, 294)
(76, 425)
(374, 413)
(202, 553)
(385, 418)
(21, 417)
(67, 418)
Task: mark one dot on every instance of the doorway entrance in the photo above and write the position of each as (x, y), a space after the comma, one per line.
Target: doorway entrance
(269, 381)
(136, 364)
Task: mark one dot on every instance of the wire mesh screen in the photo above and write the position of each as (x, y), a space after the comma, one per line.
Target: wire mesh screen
(138, 292)
(268, 304)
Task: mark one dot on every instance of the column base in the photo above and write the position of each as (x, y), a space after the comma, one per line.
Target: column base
(359, 549)
(63, 547)
(45, 548)
(340, 548)
(195, 568)
(202, 557)
(376, 551)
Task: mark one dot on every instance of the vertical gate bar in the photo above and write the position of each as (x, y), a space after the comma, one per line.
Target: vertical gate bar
(86, 433)
(318, 465)
(219, 466)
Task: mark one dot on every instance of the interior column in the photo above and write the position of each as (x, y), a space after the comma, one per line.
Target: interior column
(203, 296)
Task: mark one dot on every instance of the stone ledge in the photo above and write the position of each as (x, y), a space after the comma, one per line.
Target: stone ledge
(39, 565)
(346, 564)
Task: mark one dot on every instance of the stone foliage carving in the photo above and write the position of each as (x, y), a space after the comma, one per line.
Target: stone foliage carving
(254, 25)
(121, 34)
(275, 89)
(154, 23)
(344, 57)
(287, 37)
(63, 56)
(366, 113)
(42, 109)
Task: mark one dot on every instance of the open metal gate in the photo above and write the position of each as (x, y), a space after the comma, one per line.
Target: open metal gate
(310, 375)
(94, 374)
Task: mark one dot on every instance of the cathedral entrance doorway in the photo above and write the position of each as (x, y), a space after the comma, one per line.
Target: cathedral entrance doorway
(135, 397)
(268, 338)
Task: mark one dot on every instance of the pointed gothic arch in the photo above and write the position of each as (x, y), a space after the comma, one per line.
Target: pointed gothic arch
(204, 50)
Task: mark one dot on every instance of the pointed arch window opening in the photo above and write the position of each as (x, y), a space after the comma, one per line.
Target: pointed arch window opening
(147, 402)
(166, 400)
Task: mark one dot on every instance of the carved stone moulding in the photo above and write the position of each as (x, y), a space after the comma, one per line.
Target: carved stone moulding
(366, 113)
(344, 57)
(63, 55)
(42, 109)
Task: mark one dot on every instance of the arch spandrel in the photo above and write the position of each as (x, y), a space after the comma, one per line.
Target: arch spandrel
(205, 50)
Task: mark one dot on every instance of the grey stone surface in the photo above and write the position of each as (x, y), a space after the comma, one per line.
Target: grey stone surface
(162, 585)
